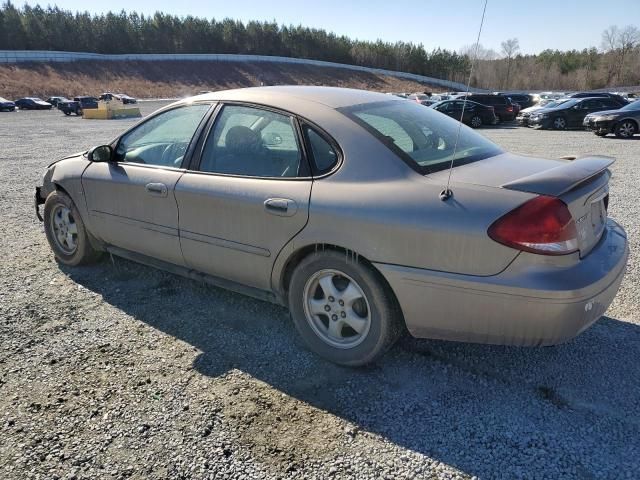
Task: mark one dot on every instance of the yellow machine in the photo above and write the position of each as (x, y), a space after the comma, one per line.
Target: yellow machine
(111, 109)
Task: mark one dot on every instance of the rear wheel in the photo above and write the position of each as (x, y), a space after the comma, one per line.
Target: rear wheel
(559, 123)
(67, 112)
(600, 133)
(476, 121)
(342, 309)
(625, 129)
(66, 232)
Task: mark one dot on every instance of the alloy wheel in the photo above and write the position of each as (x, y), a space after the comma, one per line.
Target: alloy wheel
(65, 229)
(559, 123)
(626, 130)
(337, 309)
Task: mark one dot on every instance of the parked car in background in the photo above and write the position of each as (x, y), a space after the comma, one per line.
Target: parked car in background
(523, 253)
(523, 116)
(621, 101)
(624, 122)
(122, 97)
(551, 95)
(56, 100)
(422, 99)
(475, 114)
(398, 94)
(32, 103)
(6, 105)
(570, 114)
(126, 99)
(525, 100)
(78, 105)
(502, 105)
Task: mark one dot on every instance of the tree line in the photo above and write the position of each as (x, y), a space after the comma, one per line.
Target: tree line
(617, 62)
(52, 28)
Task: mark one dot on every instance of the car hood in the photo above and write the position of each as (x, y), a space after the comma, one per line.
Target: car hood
(527, 174)
(531, 109)
(80, 155)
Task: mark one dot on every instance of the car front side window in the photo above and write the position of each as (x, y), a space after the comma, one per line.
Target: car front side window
(162, 140)
(252, 142)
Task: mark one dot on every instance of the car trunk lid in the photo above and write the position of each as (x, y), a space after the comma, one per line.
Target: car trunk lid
(582, 184)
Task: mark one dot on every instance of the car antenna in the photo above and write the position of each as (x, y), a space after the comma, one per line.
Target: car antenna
(446, 194)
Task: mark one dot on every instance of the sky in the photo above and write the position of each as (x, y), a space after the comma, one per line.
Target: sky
(538, 25)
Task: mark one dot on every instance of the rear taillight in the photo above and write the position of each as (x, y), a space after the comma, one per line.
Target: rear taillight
(510, 108)
(542, 225)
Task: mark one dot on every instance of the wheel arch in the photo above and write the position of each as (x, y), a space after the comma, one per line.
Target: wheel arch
(632, 120)
(282, 277)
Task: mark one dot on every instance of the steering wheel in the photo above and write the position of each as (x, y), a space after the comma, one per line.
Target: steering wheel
(173, 154)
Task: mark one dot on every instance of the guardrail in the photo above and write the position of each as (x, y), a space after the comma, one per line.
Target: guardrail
(40, 56)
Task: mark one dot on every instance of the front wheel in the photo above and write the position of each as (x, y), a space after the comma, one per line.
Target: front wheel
(559, 123)
(66, 232)
(342, 309)
(476, 121)
(626, 129)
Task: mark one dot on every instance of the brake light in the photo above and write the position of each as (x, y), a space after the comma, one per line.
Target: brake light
(510, 108)
(542, 225)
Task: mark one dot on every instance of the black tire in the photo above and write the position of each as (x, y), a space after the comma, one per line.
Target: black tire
(84, 253)
(600, 134)
(626, 129)
(79, 112)
(476, 121)
(559, 123)
(385, 319)
(67, 112)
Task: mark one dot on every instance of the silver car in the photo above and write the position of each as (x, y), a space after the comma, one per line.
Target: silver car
(334, 203)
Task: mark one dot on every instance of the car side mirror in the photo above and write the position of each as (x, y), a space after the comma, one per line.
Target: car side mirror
(101, 153)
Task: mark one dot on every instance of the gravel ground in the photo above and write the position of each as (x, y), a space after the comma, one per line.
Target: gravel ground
(119, 371)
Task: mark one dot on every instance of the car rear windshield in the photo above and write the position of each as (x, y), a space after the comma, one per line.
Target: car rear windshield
(424, 138)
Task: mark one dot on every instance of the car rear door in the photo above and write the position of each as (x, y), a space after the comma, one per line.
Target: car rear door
(131, 199)
(246, 196)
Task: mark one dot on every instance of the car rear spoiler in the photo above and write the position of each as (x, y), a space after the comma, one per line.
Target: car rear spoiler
(559, 180)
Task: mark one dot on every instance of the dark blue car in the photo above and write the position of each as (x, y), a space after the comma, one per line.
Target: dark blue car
(6, 105)
(32, 103)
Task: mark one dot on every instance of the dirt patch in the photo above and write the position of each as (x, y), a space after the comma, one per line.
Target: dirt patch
(179, 78)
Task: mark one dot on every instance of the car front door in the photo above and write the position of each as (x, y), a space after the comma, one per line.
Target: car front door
(131, 199)
(246, 198)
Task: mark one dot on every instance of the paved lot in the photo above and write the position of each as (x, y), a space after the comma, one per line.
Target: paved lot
(120, 371)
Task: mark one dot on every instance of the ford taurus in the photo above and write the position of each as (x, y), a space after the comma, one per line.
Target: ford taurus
(337, 204)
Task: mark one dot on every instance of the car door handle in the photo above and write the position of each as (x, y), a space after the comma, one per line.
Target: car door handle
(157, 189)
(283, 207)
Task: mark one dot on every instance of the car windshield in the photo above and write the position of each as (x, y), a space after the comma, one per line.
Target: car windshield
(422, 137)
(566, 103)
(632, 106)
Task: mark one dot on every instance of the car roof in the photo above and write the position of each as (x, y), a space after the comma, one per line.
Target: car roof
(278, 96)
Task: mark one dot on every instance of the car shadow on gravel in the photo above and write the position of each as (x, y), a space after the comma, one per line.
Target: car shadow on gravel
(568, 411)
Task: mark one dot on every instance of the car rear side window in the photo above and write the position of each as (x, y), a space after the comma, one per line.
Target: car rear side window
(252, 142)
(324, 155)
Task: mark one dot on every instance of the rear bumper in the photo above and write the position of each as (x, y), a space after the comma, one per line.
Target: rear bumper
(527, 304)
